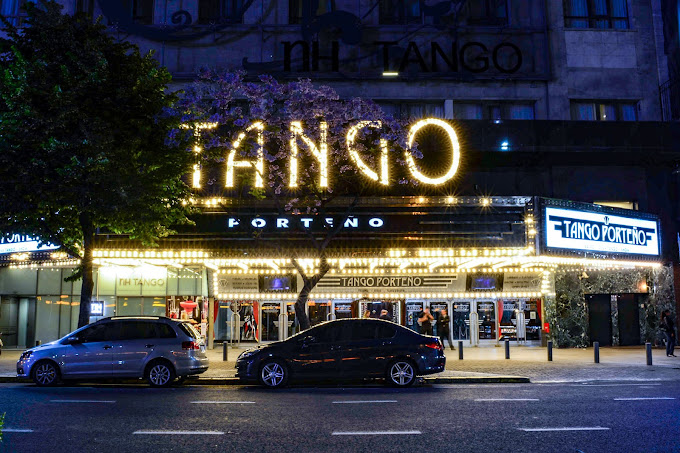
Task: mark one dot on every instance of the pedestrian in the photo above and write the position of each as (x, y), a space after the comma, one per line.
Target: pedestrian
(425, 318)
(443, 329)
(367, 314)
(1, 343)
(384, 314)
(668, 325)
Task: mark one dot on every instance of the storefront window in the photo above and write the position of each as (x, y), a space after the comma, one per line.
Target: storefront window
(460, 318)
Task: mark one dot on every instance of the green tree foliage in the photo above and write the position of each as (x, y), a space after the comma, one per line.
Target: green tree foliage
(88, 140)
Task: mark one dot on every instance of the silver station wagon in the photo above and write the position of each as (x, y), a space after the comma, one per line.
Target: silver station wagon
(155, 348)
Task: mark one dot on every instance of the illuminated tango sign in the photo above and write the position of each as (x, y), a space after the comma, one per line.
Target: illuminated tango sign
(601, 232)
(319, 151)
(22, 243)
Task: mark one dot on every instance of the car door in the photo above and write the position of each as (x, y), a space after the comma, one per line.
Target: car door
(369, 349)
(137, 341)
(315, 354)
(88, 354)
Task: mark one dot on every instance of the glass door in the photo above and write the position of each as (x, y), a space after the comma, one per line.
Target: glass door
(460, 320)
(486, 311)
(412, 310)
(318, 312)
(270, 321)
(508, 321)
(343, 310)
(436, 309)
(293, 325)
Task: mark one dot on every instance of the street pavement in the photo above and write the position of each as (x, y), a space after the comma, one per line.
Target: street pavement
(614, 416)
(483, 363)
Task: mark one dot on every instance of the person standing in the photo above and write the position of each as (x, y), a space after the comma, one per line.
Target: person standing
(426, 319)
(443, 329)
(384, 314)
(668, 325)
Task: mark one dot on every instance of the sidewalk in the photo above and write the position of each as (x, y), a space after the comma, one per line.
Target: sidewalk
(486, 364)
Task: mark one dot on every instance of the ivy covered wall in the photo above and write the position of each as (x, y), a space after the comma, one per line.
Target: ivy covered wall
(567, 312)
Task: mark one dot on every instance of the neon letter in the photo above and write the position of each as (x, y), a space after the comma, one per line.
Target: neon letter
(257, 164)
(351, 136)
(321, 153)
(455, 150)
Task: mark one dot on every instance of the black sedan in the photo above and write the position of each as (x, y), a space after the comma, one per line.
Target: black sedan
(345, 349)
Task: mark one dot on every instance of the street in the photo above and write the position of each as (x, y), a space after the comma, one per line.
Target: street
(612, 416)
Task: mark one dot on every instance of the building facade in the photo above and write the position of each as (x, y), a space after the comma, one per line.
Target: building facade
(557, 107)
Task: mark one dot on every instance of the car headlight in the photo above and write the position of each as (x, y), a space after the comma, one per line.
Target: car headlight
(250, 353)
(25, 355)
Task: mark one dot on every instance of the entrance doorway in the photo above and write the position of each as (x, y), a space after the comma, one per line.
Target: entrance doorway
(629, 318)
(270, 321)
(318, 312)
(600, 318)
(486, 312)
(460, 320)
(412, 311)
(344, 310)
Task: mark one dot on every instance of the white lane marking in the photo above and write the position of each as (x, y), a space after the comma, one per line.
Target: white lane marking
(364, 401)
(187, 433)
(83, 401)
(223, 402)
(373, 433)
(13, 430)
(644, 399)
(609, 385)
(566, 428)
(507, 399)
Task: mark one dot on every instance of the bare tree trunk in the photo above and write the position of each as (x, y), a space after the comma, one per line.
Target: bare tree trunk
(86, 263)
(309, 284)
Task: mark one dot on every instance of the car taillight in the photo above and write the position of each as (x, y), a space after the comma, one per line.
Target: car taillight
(190, 345)
(434, 345)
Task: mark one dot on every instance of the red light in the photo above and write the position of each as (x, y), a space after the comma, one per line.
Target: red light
(546, 327)
(435, 345)
(190, 345)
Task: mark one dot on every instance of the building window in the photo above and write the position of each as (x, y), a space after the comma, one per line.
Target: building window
(393, 12)
(220, 12)
(603, 111)
(486, 12)
(299, 9)
(493, 110)
(15, 11)
(412, 110)
(142, 11)
(596, 14)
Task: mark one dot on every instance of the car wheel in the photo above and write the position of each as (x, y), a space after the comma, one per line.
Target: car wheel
(401, 373)
(45, 373)
(160, 373)
(274, 374)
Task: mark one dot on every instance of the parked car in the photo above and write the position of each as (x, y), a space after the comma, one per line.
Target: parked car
(345, 349)
(156, 348)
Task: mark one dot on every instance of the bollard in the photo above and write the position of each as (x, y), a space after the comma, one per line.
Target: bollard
(648, 347)
(596, 351)
(460, 350)
(225, 351)
(507, 349)
(38, 342)
(550, 351)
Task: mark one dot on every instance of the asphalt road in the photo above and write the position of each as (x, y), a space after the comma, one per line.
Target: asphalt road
(594, 417)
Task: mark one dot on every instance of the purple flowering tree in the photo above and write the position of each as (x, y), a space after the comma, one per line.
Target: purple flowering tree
(284, 164)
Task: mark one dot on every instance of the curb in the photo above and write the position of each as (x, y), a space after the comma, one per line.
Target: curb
(236, 381)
